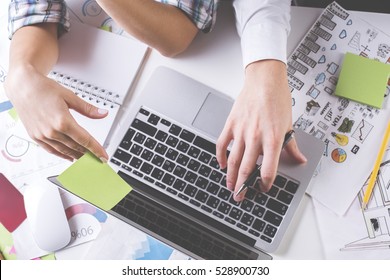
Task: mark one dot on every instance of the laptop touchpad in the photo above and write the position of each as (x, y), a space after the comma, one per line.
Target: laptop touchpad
(212, 114)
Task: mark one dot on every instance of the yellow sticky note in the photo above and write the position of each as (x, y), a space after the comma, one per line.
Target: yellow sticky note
(95, 182)
(363, 80)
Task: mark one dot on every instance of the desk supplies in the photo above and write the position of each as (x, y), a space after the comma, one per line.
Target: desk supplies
(363, 80)
(256, 172)
(46, 216)
(100, 68)
(94, 181)
(371, 182)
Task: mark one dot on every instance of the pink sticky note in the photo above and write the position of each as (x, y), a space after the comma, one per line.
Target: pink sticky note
(12, 211)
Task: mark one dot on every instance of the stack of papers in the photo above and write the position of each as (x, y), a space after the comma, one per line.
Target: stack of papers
(338, 75)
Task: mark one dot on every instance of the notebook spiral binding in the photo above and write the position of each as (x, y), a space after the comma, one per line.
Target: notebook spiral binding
(85, 90)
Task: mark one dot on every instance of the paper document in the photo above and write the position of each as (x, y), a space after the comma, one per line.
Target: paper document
(349, 129)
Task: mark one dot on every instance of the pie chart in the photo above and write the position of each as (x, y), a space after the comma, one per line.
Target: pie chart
(339, 155)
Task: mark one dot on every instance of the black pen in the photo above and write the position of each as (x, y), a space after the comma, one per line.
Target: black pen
(289, 135)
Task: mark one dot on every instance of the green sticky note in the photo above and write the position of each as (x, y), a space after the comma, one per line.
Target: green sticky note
(363, 80)
(95, 182)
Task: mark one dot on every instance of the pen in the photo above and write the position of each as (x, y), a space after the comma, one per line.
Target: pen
(287, 138)
(374, 173)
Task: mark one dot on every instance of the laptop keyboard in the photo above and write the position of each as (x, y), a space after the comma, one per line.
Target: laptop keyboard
(183, 165)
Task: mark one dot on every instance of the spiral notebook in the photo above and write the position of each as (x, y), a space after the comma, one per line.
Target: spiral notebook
(100, 67)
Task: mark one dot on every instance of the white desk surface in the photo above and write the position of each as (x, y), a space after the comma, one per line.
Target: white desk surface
(215, 59)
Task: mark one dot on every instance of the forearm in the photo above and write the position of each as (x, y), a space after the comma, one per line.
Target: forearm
(34, 47)
(161, 26)
(33, 27)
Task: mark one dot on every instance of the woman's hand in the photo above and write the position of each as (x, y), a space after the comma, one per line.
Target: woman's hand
(43, 106)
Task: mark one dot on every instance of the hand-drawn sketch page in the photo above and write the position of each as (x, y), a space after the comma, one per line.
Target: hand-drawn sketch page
(359, 234)
(351, 131)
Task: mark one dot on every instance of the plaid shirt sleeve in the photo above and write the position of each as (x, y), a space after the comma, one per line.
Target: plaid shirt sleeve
(202, 12)
(28, 12)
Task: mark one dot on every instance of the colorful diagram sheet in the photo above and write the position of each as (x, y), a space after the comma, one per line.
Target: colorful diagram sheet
(349, 129)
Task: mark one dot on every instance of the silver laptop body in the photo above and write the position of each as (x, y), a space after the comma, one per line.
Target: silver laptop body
(165, 151)
(202, 110)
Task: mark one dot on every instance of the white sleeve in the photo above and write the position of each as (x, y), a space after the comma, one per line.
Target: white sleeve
(263, 26)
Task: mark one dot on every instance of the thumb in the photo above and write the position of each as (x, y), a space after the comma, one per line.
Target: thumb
(85, 108)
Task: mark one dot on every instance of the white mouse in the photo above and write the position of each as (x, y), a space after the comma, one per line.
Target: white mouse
(46, 216)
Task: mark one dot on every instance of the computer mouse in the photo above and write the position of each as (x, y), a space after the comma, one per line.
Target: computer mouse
(46, 216)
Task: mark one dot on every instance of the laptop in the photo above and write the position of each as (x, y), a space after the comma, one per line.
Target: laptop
(166, 151)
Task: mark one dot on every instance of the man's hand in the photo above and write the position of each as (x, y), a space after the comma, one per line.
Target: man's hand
(257, 124)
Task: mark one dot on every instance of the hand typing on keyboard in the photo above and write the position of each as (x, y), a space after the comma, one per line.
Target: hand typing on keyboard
(257, 124)
(180, 164)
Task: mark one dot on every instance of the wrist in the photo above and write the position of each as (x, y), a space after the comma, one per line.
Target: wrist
(266, 75)
(19, 72)
(267, 67)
